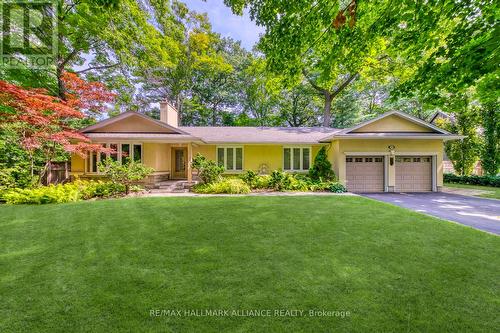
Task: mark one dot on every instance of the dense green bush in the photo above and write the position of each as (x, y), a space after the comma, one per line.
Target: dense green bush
(126, 173)
(208, 171)
(280, 181)
(472, 180)
(322, 168)
(336, 187)
(70, 192)
(250, 177)
(229, 186)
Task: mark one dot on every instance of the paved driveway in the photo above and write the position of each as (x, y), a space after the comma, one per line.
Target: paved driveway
(479, 213)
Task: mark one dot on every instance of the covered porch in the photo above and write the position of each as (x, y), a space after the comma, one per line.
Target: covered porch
(170, 160)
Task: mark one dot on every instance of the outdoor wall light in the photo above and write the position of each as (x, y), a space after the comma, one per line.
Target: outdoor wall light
(391, 151)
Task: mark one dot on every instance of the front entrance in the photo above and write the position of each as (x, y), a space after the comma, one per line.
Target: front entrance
(179, 160)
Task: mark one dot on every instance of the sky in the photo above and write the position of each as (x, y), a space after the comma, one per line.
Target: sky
(226, 23)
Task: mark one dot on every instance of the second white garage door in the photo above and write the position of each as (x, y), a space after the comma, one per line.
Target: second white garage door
(365, 173)
(413, 173)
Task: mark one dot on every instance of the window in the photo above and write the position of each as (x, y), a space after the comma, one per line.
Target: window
(122, 152)
(378, 159)
(348, 159)
(358, 159)
(125, 152)
(427, 159)
(368, 159)
(114, 154)
(406, 159)
(416, 159)
(296, 158)
(231, 158)
(137, 153)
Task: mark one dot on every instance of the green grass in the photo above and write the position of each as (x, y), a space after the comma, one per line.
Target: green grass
(102, 266)
(495, 191)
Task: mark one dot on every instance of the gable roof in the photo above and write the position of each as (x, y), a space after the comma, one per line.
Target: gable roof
(122, 116)
(254, 135)
(435, 132)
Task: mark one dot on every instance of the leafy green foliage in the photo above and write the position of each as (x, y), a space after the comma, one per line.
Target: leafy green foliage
(321, 169)
(336, 187)
(124, 173)
(228, 186)
(250, 177)
(462, 153)
(472, 180)
(70, 192)
(208, 170)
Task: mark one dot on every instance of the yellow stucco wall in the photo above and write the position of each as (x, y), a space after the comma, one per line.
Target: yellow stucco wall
(393, 124)
(402, 147)
(157, 156)
(77, 164)
(206, 150)
(256, 155)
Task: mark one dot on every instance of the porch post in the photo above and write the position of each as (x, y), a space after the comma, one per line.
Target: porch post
(190, 158)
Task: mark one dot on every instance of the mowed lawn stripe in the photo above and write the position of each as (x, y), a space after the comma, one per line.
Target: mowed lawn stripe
(102, 266)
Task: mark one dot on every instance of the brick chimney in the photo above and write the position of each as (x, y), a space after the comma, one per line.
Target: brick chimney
(169, 114)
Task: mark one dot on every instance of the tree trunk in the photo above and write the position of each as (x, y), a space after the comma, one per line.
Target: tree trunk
(327, 113)
(61, 89)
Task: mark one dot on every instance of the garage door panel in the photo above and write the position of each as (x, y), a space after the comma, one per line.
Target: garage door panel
(413, 174)
(365, 174)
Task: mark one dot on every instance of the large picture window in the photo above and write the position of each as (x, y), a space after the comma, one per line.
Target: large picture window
(122, 152)
(296, 158)
(231, 158)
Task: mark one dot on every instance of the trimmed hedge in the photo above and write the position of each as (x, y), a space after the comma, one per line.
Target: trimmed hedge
(472, 180)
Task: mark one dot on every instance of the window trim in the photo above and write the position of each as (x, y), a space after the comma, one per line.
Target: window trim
(225, 147)
(292, 169)
(89, 159)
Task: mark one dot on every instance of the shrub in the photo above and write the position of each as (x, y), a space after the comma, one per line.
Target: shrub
(336, 187)
(262, 182)
(70, 192)
(250, 178)
(99, 189)
(472, 180)
(280, 181)
(208, 171)
(229, 186)
(322, 168)
(124, 173)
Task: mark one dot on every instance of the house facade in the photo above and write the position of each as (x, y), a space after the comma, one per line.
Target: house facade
(392, 153)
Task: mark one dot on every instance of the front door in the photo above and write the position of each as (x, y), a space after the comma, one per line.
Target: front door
(179, 160)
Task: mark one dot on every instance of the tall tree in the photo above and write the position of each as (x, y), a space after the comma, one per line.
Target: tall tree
(43, 122)
(335, 42)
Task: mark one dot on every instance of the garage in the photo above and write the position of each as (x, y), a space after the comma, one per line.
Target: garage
(413, 173)
(365, 173)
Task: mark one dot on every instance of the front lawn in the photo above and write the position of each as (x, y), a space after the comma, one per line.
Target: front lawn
(494, 191)
(104, 266)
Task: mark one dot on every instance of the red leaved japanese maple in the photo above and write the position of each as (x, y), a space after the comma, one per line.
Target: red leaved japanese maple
(43, 120)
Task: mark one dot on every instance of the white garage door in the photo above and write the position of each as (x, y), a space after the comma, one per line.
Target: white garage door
(413, 173)
(365, 173)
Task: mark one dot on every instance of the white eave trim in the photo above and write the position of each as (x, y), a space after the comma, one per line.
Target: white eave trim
(444, 137)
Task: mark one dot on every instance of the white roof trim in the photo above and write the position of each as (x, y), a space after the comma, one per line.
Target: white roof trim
(126, 115)
(444, 137)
